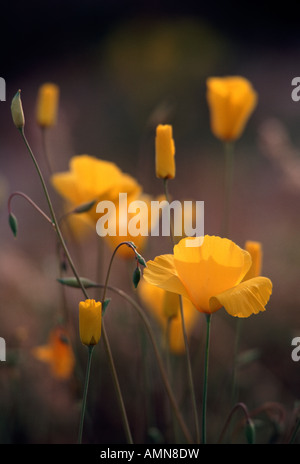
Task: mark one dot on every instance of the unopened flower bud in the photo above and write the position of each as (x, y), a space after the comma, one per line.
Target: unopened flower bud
(17, 111)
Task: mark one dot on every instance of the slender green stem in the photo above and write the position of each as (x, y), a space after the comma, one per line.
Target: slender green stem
(52, 213)
(204, 405)
(31, 202)
(229, 167)
(61, 239)
(187, 351)
(86, 385)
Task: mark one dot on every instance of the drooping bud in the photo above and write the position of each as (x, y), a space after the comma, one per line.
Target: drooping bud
(17, 111)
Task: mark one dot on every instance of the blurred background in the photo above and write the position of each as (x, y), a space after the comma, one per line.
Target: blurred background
(122, 68)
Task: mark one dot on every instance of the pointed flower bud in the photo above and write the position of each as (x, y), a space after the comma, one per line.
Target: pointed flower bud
(164, 152)
(17, 111)
(90, 320)
(47, 105)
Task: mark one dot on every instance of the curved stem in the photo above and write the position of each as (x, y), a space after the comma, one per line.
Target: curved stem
(31, 202)
(86, 384)
(204, 405)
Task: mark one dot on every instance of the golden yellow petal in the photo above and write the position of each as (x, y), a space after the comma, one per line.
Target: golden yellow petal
(162, 273)
(249, 297)
(209, 269)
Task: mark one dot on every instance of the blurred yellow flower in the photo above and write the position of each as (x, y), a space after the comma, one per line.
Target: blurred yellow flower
(142, 222)
(57, 353)
(255, 250)
(90, 320)
(164, 305)
(47, 104)
(164, 152)
(210, 275)
(91, 179)
(231, 101)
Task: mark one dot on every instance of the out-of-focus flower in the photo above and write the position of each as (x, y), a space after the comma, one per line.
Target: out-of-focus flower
(90, 320)
(57, 353)
(164, 152)
(140, 220)
(47, 104)
(17, 111)
(163, 305)
(231, 101)
(255, 250)
(210, 275)
(91, 179)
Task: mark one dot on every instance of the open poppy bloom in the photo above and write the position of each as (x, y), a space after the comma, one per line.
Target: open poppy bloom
(57, 353)
(163, 305)
(210, 274)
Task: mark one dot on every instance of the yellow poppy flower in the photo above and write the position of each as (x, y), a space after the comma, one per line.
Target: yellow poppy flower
(47, 104)
(90, 320)
(164, 152)
(231, 101)
(163, 305)
(91, 179)
(57, 353)
(210, 275)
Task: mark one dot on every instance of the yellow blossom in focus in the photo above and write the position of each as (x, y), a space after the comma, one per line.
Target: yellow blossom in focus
(90, 320)
(231, 101)
(210, 275)
(164, 152)
(91, 179)
(47, 104)
(164, 305)
(57, 353)
(255, 250)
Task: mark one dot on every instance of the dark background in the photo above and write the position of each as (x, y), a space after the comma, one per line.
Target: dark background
(122, 67)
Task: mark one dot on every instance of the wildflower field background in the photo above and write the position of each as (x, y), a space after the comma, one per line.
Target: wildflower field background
(121, 71)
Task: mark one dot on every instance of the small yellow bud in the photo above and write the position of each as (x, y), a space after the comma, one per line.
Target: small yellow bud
(17, 111)
(47, 105)
(90, 320)
(255, 250)
(164, 152)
